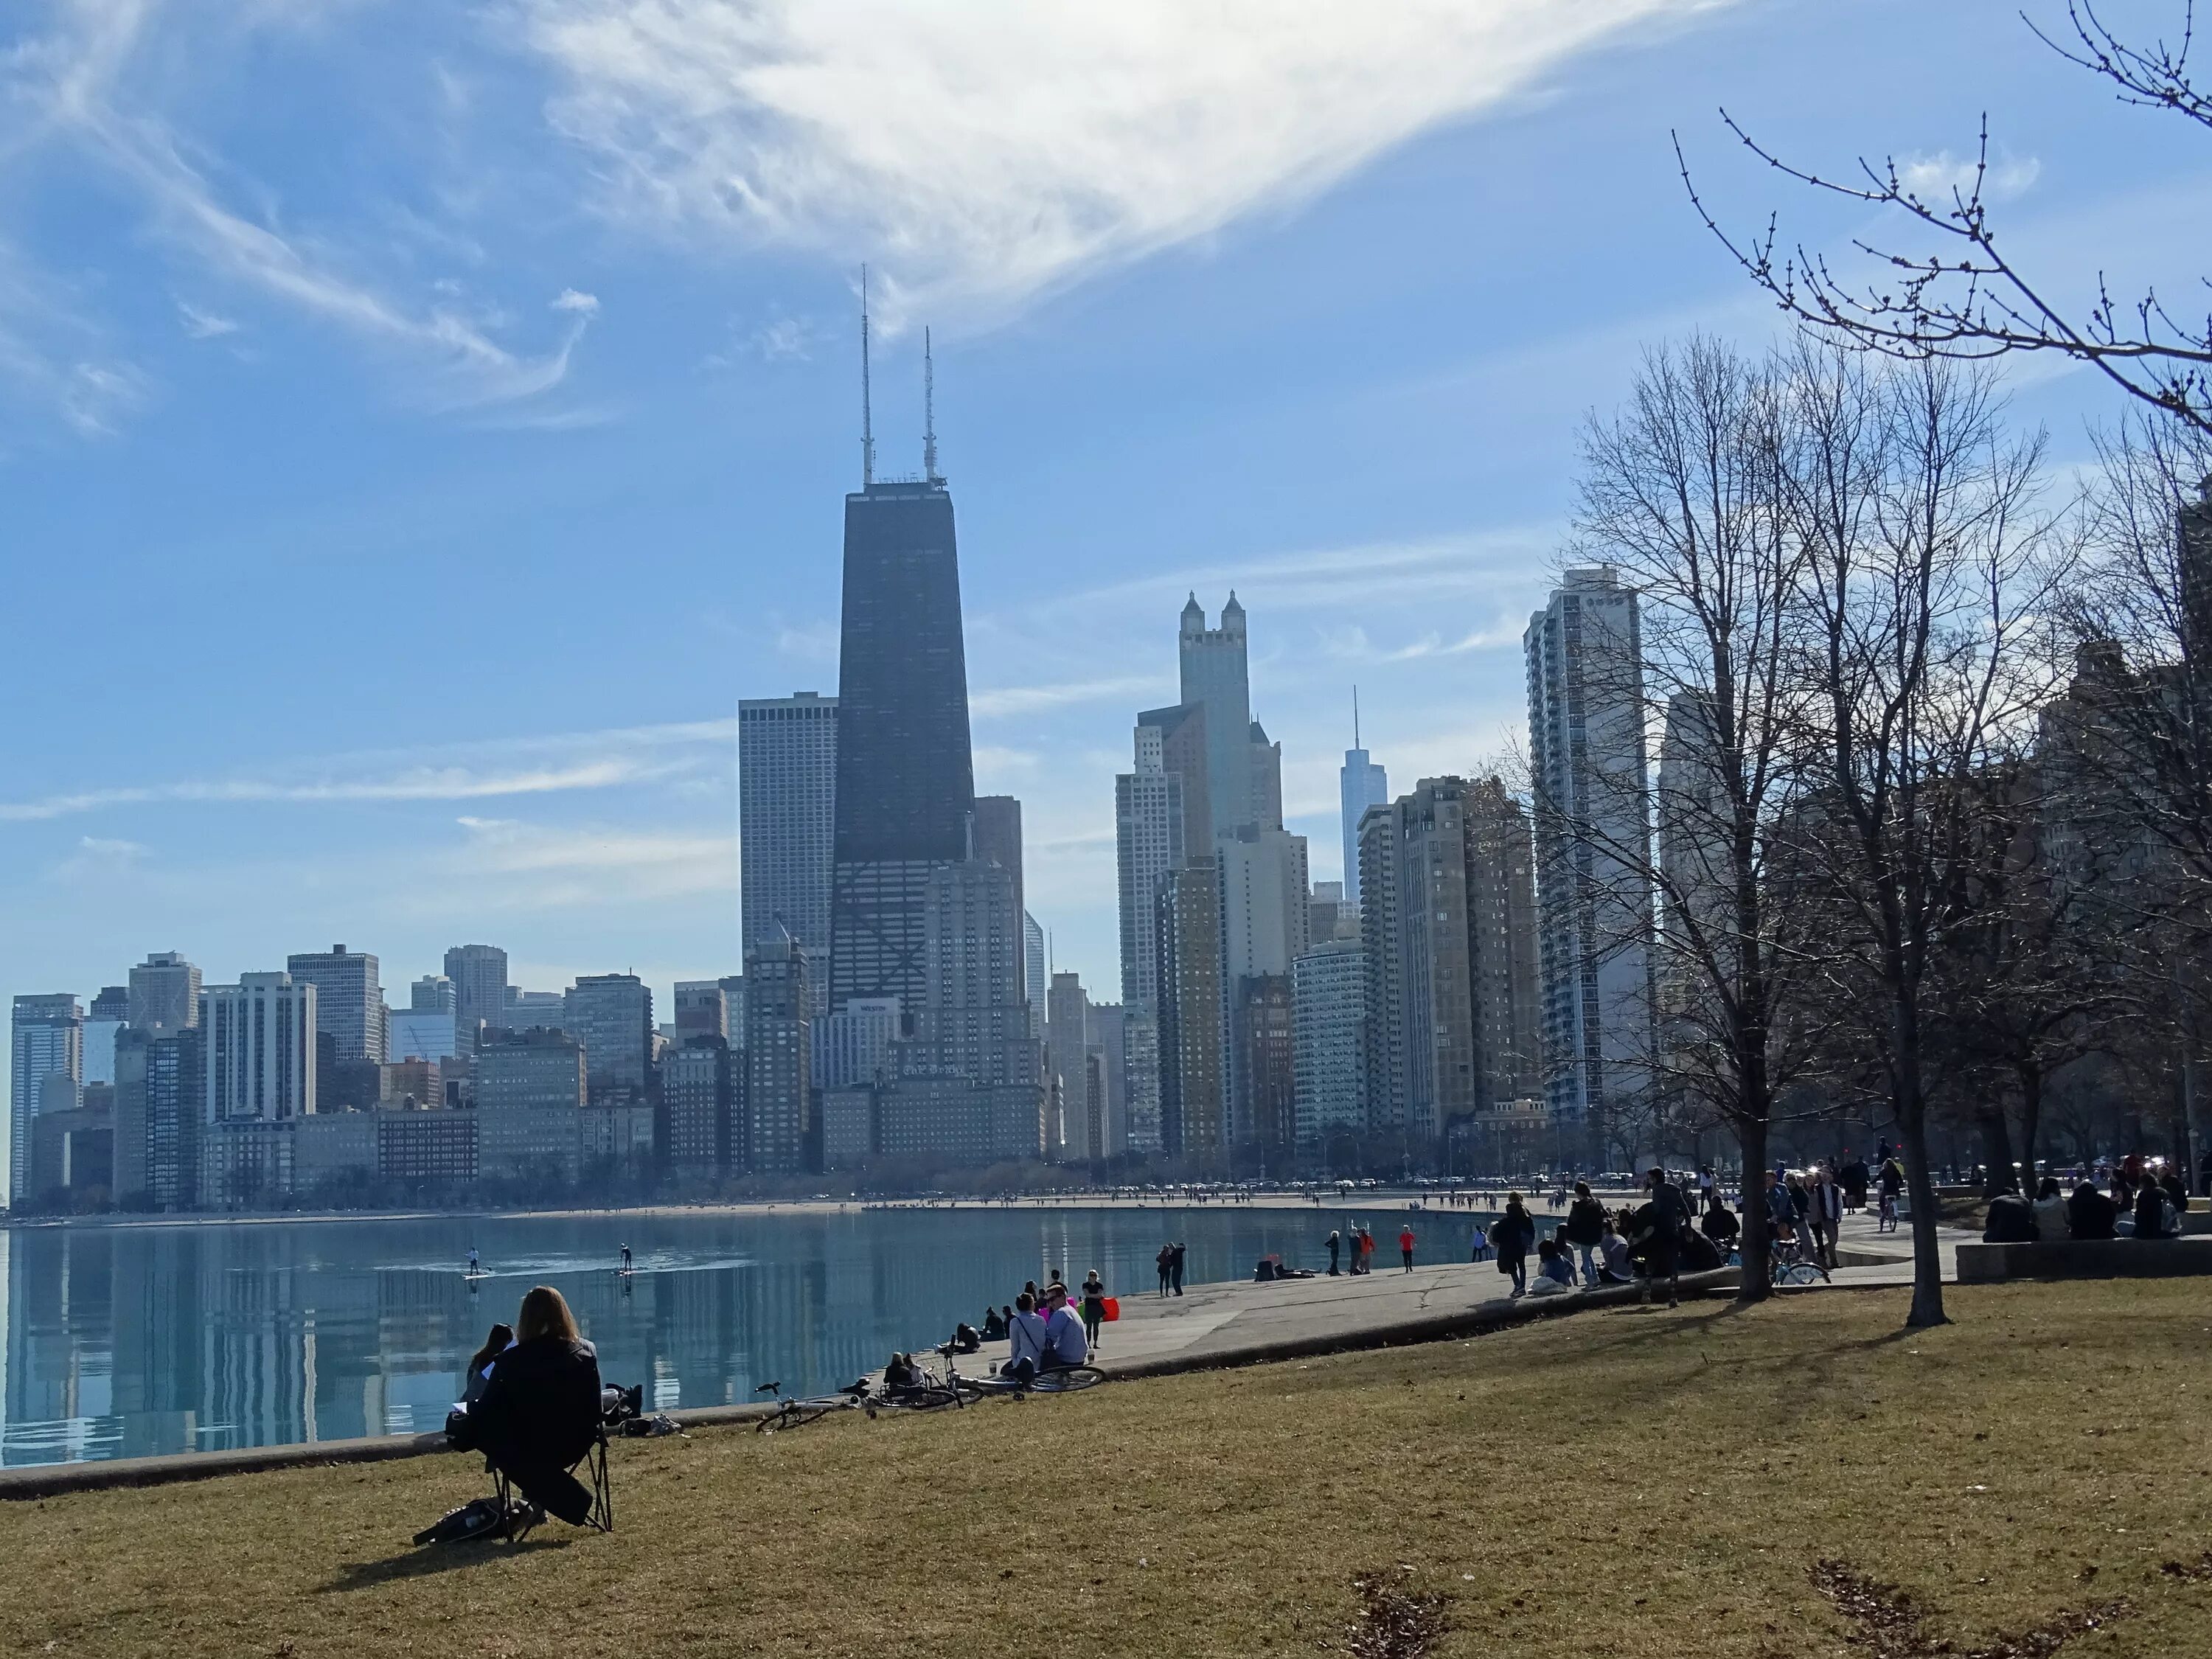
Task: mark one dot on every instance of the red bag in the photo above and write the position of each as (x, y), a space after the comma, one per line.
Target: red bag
(1111, 1308)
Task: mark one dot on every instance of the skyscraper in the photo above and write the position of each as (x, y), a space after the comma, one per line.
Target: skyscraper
(1189, 1015)
(905, 793)
(433, 994)
(1148, 845)
(702, 1009)
(779, 1058)
(998, 838)
(787, 819)
(45, 1072)
(1360, 784)
(611, 1015)
(1586, 744)
(165, 991)
(260, 1049)
(479, 976)
(1328, 994)
(1450, 942)
(1173, 741)
(348, 999)
(1213, 678)
(1034, 972)
(1267, 780)
(1076, 1136)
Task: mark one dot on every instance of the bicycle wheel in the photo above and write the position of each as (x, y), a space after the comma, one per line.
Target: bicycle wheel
(798, 1415)
(927, 1397)
(1802, 1272)
(1068, 1381)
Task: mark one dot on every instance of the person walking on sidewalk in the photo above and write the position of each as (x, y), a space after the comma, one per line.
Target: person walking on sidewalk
(1586, 1229)
(1406, 1244)
(1826, 1214)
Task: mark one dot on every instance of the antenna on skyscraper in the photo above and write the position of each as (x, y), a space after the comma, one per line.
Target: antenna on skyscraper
(868, 416)
(1355, 717)
(928, 411)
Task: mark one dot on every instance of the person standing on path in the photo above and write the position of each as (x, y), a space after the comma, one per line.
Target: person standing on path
(1405, 1245)
(1670, 1216)
(1366, 1249)
(1585, 1229)
(1335, 1244)
(1479, 1250)
(1511, 1236)
(1094, 1305)
(1165, 1261)
(1827, 1214)
(1175, 1267)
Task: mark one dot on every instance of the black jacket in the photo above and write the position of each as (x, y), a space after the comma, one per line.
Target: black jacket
(2011, 1221)
(1585, 1222)
(543, 1404)
(1720, 1224)
(1513, 1234)
(2090, 1213)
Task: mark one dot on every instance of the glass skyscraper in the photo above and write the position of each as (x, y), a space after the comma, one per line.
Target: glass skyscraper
(906, 791)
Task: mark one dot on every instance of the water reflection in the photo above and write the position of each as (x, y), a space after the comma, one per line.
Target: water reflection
(126, 1341)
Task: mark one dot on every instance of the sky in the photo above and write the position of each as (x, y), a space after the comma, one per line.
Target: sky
(421, 422)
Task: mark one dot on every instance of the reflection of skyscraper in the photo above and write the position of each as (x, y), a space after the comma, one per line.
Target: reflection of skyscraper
(787, 793)
(905, 792)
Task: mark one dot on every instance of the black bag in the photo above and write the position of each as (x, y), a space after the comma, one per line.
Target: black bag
(460, 1434)
(480, 1518)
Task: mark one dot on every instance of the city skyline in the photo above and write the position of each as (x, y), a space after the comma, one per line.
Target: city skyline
(565, 785)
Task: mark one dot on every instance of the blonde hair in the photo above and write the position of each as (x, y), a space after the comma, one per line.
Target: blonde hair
(544, 1313)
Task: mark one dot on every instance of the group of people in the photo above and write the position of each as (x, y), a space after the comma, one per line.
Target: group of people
(1653, 1241)
(1051, 1329)
(1361, 1244)
(1169, 1262)
(2151, 1200)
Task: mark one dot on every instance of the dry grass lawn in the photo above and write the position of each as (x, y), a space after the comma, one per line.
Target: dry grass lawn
(1627, 1483)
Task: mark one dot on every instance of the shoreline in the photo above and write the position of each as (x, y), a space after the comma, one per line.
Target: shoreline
(1394, 1201)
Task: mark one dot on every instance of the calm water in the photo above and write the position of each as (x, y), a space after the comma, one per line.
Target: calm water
(124, 1341)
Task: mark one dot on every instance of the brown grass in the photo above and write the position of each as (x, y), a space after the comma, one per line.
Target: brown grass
(1628, 1483)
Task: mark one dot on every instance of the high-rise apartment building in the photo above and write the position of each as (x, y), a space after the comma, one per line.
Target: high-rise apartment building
(1264, 920)
(1191, 1015)
(419, 1034)
(45, 1072)
(906, 793)
(787, 819)
(160, 1096)
(1148, 845)
(1263, 1030)
(530, 1102)
(779, 1057)
(348, 999)
(1109, 1044)
(1588, 757)
(1034, 972)
(433, 994)
(113, 1003)
(260, 1049)
(1360, 784)
(852, 1045)
(1077, 1135)
(1329, 1017)
(480, 1000)
(611, 1015)
(165, 991)
(1173, 741)
(699, 1089)
(1449, 932)
(702, 1009)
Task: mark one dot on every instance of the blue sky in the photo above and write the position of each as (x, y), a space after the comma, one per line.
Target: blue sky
(420, 423)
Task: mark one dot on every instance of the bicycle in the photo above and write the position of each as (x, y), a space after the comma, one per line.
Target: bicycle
(1059, 1379)
(1789, 1262)
(798, 1413)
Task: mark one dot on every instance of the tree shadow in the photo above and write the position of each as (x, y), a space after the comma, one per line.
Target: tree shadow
(424, 1560)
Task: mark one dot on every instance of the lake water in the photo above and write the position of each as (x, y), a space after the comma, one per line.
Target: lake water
(125, 1341)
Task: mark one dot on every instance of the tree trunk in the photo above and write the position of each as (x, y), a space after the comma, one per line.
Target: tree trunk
(1755, 1285)
(1996, 1150)
(1927, 1250)
(2031, 1120)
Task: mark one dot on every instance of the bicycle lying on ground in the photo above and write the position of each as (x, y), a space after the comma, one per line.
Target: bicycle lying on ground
(798, 1413)
(1057, 1379)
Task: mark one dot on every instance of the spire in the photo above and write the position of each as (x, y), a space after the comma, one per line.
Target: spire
(928, 412)
(867, 417)
(1193, 616)
(1355, 717)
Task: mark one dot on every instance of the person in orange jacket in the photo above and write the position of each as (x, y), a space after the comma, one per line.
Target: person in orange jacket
(1406, 1246)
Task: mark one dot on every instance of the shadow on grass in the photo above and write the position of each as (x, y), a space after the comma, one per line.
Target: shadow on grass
(427, 1559)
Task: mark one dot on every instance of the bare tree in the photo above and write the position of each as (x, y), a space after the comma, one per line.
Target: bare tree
(1682, 491)
(1947, 290)
(1926, 577)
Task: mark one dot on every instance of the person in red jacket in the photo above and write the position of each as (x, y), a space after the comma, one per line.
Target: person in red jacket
(1406, 1246)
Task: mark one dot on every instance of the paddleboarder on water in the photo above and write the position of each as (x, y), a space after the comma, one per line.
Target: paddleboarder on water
(625, 1253)
(475, 1267)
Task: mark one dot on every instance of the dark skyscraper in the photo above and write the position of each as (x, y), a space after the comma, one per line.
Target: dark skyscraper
(906, 791)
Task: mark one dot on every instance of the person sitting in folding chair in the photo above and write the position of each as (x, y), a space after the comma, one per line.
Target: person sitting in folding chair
(540, 1415)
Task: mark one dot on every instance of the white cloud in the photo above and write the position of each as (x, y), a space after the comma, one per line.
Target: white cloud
(203, 325)
(808, 642)
(1035, 699)
(1935, 178)
(583, 304)
(986, 151)
(542, 866)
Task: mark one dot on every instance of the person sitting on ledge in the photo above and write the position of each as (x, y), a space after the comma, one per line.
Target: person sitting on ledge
(1026, 1334)
(540, 1412)
(2011, 1221)
(1616, 1268)
(2049, 1207)
(2153, 1214)
(1555, 1270)
(996, 1322)
(2091, 1214)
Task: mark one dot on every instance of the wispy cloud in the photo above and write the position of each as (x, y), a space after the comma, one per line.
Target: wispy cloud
(987, 151)
(546, 866)
(1351, 643)
(999, 702)
(200, 324)
(1937, 178)
(571, 761)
